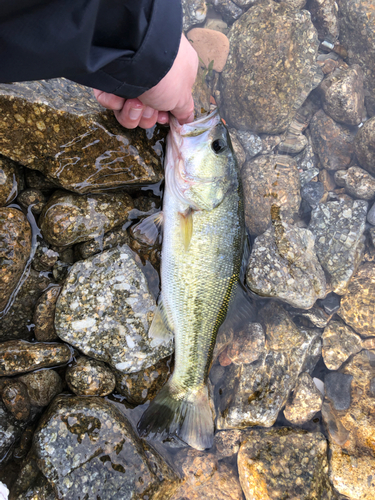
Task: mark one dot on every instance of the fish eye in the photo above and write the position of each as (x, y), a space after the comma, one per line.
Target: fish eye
(218, 146)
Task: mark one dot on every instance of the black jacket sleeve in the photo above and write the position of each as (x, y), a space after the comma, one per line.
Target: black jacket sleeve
(124, 47)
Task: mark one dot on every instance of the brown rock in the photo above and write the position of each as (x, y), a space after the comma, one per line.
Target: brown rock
(34, 198)
(116, 237)
(15, 246)
(36, 180)
(16, 399)
(10, 177)
(248, 345)
(88, 377)
(44, 258)
(44, 315)
(357, 182)
(305, 402)
(211, 46)
(365, 145)
(339, 342)
(42, 386)
(227, 443)
(324, 17)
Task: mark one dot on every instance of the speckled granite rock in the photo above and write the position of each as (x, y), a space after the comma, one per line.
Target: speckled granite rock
(324, 17)
(16, 399)
(20, 357)
(258, 92)
(18, 322)
(110, 323)
(89, 377)
(253, 394)
(343, 95)
(305, 401)
(194, 12)
(58, 128)
(270, 180)
(69, 219)
(338, 227)
(15, 246)
(339, 342)
(251, 143)
(357, 307)
(365, 145)
(34, 198)
(42, 386)
(283, 264)
(10, 432)
(284, 463)
(44, 315)
(332, 142)
(143, 386)
(357, 182)
(10, 177)
(86, 446)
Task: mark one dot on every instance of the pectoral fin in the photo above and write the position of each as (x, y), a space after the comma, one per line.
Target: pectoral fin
(186, 224)
(161, 329)
(150, 227)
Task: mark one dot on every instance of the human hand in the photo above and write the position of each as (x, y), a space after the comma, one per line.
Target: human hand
(172, 93)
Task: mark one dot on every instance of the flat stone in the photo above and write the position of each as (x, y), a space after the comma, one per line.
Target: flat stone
(305, 401)
(365, 144)
(110, 323)
(89, 377)
(57, 127)
(293, 144)
(337, 389)
(339, 342)
(42, 386)
(253, 76)
(211, 46)
(339, 228)
(19, 357)
(33, 198)
(10, 178)
(44, 315)
(16, 399)
(357, 182)
(270, 180)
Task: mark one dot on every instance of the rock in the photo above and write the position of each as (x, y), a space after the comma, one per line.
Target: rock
(18, 322)
(269, 143)
(270, 180)
(358, 305)
(20, 357)
(60, 271)
(312, 193)
(69, 219)
(88, 377)
(331, 303)
(357, 182)
(371, 215)
(10, 178)
(42, 386)
(36, 180)
(259, 93)
(324, 17)
(328, 62)
(316, 315)
(194, 12)
(293, 144)
(110, 323)
(16, 399)
(211, 46)
(114, 238)
(238, 149)
(44, 258)
(143, 386)
(343, 95)
(253, 394)
(251, 143)
(15, 247)
(86, 447)
(364, 145)
(58, 128)
(227, 443)
(339, 227)
(305, 402)
(283, 264)
(44, 315)
(34, 198)
(372, 387)
(332, 142)
(216, 25)
(248, 345)
(339, 342)
(229, 11)
(307, 163)
(10, 432)
(283, 463)
(337, 389)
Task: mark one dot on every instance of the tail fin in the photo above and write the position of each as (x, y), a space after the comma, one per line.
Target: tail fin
(188, 416)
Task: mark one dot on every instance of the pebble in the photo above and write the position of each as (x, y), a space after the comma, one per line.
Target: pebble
(339, 342)
(16, 399)
(44, 315)
(10, 180)
(331, 303)
(337, 389)
(44, 258)
(324, 17)
(42, 386)
(10, 432)
(211, 46)
(357, 182)
(194, 12)
(312, 193)
(305, 402)
(88, 377)
(364, 145)
(229, 11)
(251, 143)
(34, 198)
(371, 215)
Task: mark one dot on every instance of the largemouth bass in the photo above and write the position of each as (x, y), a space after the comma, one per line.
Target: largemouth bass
(203, 240)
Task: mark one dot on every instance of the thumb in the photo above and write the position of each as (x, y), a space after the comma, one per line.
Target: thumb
(185, 113)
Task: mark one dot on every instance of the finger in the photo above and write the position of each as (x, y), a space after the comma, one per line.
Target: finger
(163, 117)
(109, 101)
(185, 113)
(131, 113)
(149, 117)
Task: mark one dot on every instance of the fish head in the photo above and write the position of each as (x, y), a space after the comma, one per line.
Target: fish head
(200, 163)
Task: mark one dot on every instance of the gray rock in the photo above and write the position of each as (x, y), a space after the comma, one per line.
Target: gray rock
(371, 215)
(337, 389)
(331, 303)
(10, 432)
(10, 179)
(110, 323)
(194, 12)
(339, 342)
(365, 144)
(253, 76)
(42, 386)
(89, 377)
(316, 315)
(251, 143)
(357, 182)
(312, 193)
(339, 227)
(229, 11)
(307, 164)
(305, 401)
(372, 387)
(247, 345)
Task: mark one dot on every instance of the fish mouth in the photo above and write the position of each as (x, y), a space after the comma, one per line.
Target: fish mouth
(196, 127)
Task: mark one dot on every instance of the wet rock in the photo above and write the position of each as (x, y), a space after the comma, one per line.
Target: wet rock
(44, 258)
(371, 215)
(328, 180)
(332, 142)
(270, 180)
(86, 446)
(16, 399)
(305, 402)
(372, 387)
(216, 24)
(253, 394)
(316, 315)
(338, 227)
(20, 357)
(358, 305)
(36, 180)
(211, 46)
(227, 443)
(10, 177)
(34, 198)
(365, 145)
(328, 62)
(239, 150)
(18, 322)
(15, 247)
(248, 345)
(293, 144)
(253, 76)
(312, 193)
(337, 389)
(42, 386)
(251, 143)
(357, 182)
(324, 17)
(331, 303)
(143, 386)
(60, 271)
(343, 95)
(71, 139)
(283, 264)
(229, 11)
(10, 432)
(339, 342)
(269, 143)
(205, 477)
(307, 164)
(69, 219)
(44, 315)
(289, 463)
(194, 12)
(88, 377)
(110, 323)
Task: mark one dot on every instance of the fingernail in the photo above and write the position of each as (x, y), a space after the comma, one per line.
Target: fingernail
(135, 113)
(148, 112)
